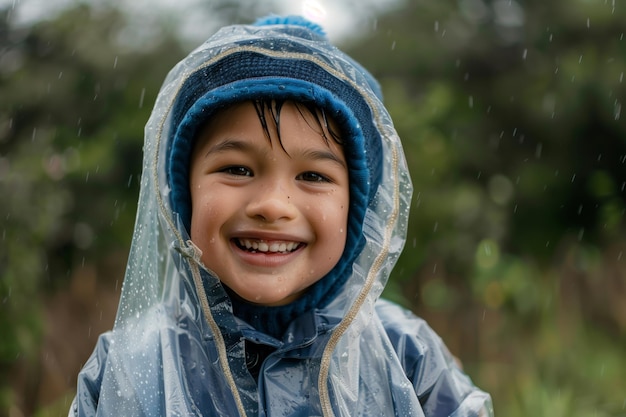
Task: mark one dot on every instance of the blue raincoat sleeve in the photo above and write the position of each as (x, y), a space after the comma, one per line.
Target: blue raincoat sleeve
(441, 387)
(90, 380)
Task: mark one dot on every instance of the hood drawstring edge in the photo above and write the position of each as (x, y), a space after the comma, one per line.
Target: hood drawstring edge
(342, 327)
(219, 340)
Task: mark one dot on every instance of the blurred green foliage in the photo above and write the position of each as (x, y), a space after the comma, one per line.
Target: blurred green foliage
(511, 117)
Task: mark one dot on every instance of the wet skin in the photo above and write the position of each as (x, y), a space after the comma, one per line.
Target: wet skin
(270, 221)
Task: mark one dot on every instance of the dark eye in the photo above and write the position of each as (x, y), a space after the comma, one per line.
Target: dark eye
(313, 177)
(238, 171)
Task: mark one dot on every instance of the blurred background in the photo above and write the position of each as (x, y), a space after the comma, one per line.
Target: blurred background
(511, 117)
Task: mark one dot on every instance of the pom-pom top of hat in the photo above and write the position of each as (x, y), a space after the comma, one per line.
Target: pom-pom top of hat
(291, 20)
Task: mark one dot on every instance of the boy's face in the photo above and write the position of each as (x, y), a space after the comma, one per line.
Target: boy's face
(270, 222)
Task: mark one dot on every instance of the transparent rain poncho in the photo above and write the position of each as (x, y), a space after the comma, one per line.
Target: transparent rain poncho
(176, 348)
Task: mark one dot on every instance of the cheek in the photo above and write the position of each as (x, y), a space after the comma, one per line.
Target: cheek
(204, 214)
(204, 229)
(334, 218)
(343, 230)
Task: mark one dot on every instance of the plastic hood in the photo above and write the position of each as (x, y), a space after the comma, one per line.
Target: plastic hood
(175, 339)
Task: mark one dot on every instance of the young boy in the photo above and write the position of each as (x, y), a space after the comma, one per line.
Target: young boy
(273, 206)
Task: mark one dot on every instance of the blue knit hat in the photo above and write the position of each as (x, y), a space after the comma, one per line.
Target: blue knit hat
(241, 75)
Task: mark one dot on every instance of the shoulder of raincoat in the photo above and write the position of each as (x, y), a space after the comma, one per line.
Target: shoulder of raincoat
(177, 349)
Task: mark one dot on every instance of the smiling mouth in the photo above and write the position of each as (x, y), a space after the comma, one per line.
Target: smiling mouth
(254, 245)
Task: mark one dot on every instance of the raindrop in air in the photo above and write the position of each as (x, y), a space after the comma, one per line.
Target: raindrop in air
(141, 97)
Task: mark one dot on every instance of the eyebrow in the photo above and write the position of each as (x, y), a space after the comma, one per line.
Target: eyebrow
(239, 145)
(229, 145)
(319, 155)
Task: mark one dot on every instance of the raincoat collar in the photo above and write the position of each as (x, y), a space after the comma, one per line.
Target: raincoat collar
(302, 331)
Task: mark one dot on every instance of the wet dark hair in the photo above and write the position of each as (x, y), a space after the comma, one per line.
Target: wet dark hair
(273, 108)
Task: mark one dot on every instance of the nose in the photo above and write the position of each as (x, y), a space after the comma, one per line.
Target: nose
(271, 203)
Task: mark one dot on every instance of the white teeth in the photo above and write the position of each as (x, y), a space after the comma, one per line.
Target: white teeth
(265, 247)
